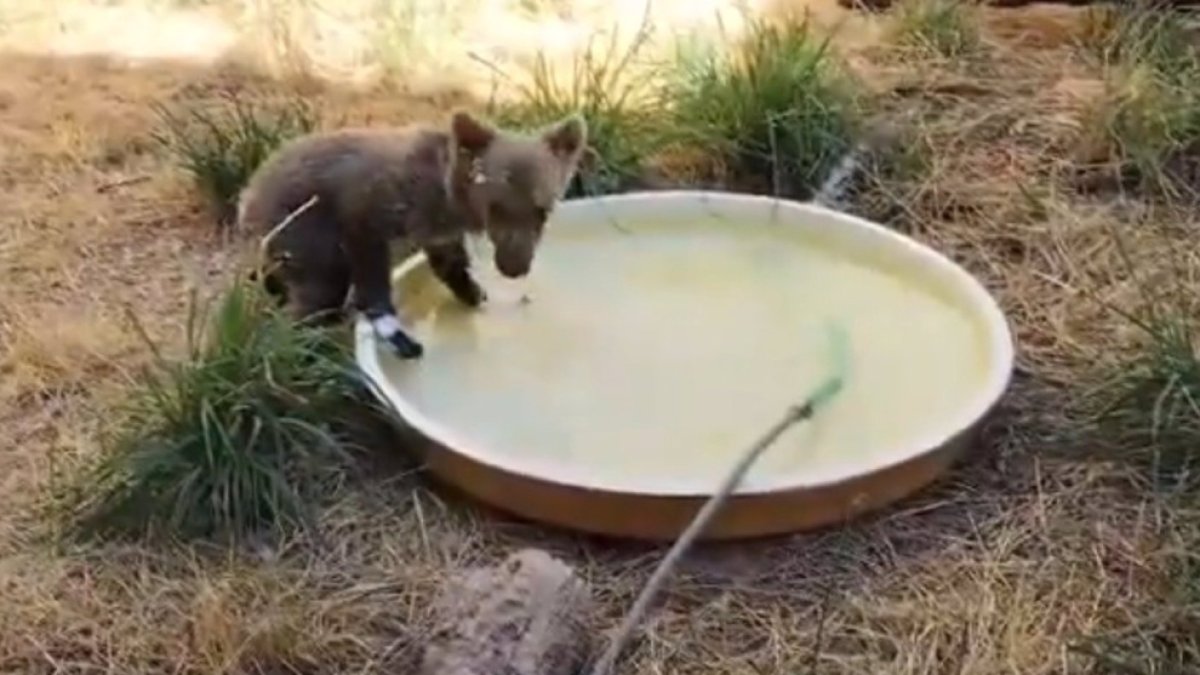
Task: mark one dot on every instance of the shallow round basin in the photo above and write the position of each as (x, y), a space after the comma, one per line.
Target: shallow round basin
(662, 333)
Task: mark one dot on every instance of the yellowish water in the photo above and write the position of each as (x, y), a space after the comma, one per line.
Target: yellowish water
(664, 351)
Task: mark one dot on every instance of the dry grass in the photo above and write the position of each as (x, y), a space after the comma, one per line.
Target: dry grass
(945, 28)
(50, 350)
(1145, 128)
(1033, 557)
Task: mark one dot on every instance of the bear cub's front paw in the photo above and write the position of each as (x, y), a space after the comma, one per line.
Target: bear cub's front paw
(405, 347)
(469, 292)
(388, 329)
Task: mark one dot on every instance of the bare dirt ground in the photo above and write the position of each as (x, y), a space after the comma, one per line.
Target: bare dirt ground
(1003, 567)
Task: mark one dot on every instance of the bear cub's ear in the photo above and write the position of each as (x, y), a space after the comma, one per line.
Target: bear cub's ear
(470, 133)
(567, 137)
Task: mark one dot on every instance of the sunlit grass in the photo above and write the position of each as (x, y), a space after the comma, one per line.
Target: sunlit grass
(778, 107)
(612, 93)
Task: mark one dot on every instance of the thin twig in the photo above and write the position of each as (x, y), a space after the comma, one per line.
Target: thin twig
(794, 415)
(112, 185)
(266, 240)
(815, 656)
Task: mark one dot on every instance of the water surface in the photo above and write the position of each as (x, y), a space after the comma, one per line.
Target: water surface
(665, 350)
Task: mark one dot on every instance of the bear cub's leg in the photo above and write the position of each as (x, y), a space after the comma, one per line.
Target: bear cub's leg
(370, 273)
(452, 265)
(307, 274)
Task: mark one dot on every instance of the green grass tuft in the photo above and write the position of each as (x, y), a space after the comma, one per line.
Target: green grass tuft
(239, 437)
(945, 28)
(1149, 35)
(221, 144)
(1147, 125)
(780, 109)
(613, 96)
(1149, 416)
(1157, 406)
(1151, 403)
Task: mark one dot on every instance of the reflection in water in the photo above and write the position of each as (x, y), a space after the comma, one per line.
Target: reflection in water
(668, 350)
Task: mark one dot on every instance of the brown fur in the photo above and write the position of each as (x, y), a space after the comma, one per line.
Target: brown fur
(428, 186)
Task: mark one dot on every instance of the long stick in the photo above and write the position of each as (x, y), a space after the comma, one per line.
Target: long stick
(794, 415)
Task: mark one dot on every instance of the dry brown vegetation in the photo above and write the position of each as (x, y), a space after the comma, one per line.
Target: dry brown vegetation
(1043, 552)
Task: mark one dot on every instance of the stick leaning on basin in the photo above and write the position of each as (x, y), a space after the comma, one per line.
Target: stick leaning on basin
(794, 415)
